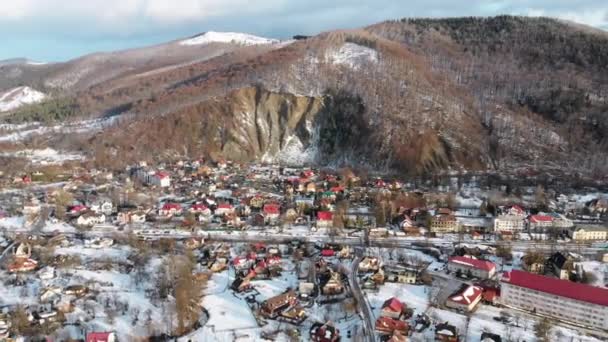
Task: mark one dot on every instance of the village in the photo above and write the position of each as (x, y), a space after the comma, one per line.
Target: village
(200, 250)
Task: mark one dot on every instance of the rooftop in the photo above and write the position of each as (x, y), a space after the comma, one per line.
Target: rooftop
(558, 287)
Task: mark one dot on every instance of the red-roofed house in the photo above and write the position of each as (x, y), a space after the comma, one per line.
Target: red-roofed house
(324, 219)
(465, 300)
(161, 179)
(482, 269)
(393, 308)
(22, 265)
(271, 211)
(199, 208)
(78, 209)
(170, 209)
(328, 253)
(541, 221)
(387, 325)
(517, 210)
(561, 299)
(320, 332)
(224, 209)
(101, 337)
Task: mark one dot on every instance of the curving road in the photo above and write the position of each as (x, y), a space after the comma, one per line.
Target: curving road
(366, 312)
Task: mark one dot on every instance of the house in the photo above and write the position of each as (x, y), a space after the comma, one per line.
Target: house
(334, 285)
(75, 290)
(194, 242)
(444, 222)
(388, 326)
(272, 307)
(328, 253)
(101, 337)
(324, 332)
(400, 275)
(516, 210)
(78, 210)
(23, 251)
(540, 222)
(561, 265)
(307, 202)
(490, 337)
(393, 308)
(90, 218)
(200, 209)
(271, 212)
(561, 222)
(465, 299)
(224, 209)
(126, 217)
(559, 299)
(369, 264)
(445, 332)
(325, 219)
(472, 267)
(311, 188)
(585, 233)
(22, 265)
(31, 207)
(509, 223)
(161, 179)
(102, 206)
(170, 209)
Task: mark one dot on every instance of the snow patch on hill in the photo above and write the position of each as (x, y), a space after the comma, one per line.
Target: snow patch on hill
(18, 97)
(45, 156)
(228, 37)
(352, 55)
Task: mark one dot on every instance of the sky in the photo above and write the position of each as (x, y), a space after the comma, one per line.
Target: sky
(57, 30)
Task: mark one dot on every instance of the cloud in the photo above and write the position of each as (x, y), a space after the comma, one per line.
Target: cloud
(72, 23)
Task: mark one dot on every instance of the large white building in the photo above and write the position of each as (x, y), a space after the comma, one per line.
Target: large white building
(560, 299)
(509, 223)
(590, 233)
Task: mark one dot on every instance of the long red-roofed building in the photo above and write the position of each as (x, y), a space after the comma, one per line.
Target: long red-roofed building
(561, 299)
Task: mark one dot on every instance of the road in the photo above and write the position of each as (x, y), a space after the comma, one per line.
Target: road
(366, 312)
(109, 231)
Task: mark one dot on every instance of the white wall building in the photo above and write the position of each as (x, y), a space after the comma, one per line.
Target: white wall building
(560, 299)
(509, 223)
(482, 269)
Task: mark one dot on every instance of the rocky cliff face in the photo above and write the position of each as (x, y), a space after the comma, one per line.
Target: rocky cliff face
(271, 126)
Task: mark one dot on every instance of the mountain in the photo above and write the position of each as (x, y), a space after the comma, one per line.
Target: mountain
(414, 95)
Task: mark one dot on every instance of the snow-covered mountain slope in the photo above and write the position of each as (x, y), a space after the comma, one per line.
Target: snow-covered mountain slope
(353, 55)
(18, 97)
(228, 37)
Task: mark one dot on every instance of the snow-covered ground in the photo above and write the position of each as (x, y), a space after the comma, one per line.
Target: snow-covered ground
(228, 37)
(353, 55)
(44, 156)
(15, 133)
(18, 97)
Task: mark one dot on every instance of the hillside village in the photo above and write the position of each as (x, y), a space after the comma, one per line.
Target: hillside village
(201, 250)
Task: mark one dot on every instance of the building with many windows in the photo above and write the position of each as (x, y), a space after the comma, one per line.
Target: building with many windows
(509, 223)
(589, 233)
(560, 299)
(482, 269)
(444, 222)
